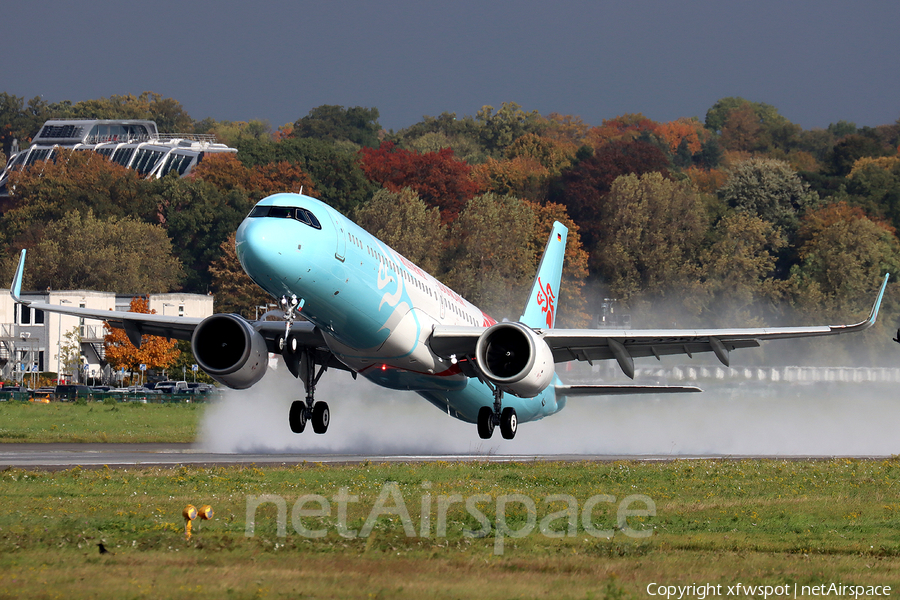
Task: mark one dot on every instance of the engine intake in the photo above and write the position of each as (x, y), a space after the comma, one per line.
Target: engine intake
(230, 350)
(515, 358)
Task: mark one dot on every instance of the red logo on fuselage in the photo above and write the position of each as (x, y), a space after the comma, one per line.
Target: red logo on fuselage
(546, 300)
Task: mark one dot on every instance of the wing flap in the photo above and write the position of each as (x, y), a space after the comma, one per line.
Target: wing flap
(620, 390)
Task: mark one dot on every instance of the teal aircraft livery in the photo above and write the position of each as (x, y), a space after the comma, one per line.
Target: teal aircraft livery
(351, 302)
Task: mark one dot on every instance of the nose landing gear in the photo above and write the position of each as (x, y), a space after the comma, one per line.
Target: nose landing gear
(316, 413)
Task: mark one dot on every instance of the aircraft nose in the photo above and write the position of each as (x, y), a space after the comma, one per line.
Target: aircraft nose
(263, 247)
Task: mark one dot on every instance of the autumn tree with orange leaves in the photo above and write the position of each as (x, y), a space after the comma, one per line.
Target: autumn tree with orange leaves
(226, 172)
(155, 352)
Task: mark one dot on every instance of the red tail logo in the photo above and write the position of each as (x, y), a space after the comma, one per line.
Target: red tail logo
(546, 299)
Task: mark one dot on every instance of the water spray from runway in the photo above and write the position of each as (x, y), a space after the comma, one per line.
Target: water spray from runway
(727, 419)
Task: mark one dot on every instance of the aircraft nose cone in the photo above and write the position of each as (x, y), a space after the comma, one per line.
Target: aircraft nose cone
(261, 246)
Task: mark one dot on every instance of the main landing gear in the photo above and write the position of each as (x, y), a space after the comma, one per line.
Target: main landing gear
(489, 418)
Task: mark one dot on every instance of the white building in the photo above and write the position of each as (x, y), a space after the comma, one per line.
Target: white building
(32, 341)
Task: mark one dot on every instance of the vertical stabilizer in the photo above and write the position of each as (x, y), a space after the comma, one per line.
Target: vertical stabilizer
(540, 311)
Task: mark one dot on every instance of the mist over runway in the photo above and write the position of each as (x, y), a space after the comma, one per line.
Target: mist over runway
(728, 419)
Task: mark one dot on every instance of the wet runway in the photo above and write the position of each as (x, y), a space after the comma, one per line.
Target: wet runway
(65, 456)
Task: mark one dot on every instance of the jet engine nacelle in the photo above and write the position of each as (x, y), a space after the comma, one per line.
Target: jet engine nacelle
(516, 359)
(230, 350)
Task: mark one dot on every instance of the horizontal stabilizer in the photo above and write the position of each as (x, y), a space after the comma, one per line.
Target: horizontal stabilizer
(620, 390)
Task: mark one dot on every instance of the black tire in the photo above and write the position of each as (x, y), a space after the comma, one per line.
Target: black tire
(297, 416)
(509, 422)
(485, 423)
(321, 416)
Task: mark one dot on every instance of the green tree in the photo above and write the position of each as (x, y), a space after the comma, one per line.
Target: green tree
(197, 217)
(336, 173)
(843, 255)
(109, 254)
(582, 188)
(737, 272)
(500, 129)
(874, 184)
(850, 149)
(335, 123)
(20, 120)
(70, 354)
(444, 131)
(651, 237)
(492, 256)
(234, 132)
(769, 189)
(751, 126)
(183, 365)
(405, 223)
(81, 181)
(167, 113)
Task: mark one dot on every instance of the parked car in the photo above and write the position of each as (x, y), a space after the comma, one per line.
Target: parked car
(72, 392)
(40, 397)
(135, 389)
(173, 387)
(200, 388)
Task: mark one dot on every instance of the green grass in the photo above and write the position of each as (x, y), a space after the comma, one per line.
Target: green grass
(721, 522)
(119, 422)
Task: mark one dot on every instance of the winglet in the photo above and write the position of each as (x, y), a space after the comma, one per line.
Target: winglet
(874, 314)
(15, 290)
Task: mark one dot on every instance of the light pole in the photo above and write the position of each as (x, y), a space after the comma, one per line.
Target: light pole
(25, 335)
(59, 343)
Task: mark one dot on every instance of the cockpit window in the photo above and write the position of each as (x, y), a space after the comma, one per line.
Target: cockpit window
(285, 212)
(308, 218)
(281, 212)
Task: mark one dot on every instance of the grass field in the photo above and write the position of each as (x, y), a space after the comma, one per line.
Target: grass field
(98, 422)
(719, 522)
(285, 532)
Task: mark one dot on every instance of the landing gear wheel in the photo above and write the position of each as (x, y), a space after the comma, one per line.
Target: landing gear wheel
(485, 423)
(297, 416)
(508, 423)
(320, 417)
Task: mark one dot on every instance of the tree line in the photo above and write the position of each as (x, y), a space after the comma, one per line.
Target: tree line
(734, 220)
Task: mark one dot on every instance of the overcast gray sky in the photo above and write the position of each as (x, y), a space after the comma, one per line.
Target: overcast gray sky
(816, 61)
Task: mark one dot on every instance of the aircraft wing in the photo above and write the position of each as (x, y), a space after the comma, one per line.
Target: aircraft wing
(626, 344)
(169, 326)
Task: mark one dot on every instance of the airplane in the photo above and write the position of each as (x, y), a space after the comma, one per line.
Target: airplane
(368, 310)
